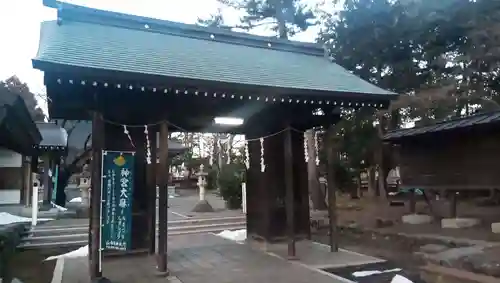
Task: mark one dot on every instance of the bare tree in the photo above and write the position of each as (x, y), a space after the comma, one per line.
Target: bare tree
(78, 154)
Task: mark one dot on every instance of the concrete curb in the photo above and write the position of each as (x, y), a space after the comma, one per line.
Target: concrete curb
(58, 271)
(336, 277)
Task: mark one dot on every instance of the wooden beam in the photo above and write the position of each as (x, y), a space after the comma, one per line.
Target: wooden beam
(332, 194)
(161, 256)
(95, 196)
(289, 195)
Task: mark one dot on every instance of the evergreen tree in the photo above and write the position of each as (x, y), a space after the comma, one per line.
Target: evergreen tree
(284, 17)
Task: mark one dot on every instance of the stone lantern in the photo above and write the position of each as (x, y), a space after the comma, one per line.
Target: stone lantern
(202, 205)
(84, 186)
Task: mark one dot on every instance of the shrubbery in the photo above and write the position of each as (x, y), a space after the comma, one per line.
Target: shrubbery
(230, 178)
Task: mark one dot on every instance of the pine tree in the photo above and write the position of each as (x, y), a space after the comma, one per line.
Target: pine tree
(284, 17)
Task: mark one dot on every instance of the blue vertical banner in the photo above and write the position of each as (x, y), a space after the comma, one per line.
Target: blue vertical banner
(54, 182)
(117, 189)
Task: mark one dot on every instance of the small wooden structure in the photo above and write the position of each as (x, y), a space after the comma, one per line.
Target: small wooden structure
(458, 154)
(18, 136)
(453, 155)
(130, 74)
(18, 131)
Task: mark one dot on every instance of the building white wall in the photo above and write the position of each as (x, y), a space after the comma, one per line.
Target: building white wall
(10, 159)
(10, 194)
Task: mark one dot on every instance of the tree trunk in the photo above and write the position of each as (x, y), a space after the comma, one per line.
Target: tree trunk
(372, 182)
(65, 173)
(280, 17)
(382, 174)
(354, 187)
(382, 183)
(317, 197)
(215, 159)
(359, 185)
(230, 148)
(62, 182)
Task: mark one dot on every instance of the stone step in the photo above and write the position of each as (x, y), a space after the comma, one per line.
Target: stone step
(82, 239)
(172, 223)
(217, 226)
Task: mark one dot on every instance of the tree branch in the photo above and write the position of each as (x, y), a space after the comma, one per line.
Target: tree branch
(86, 143)
(71, 129)
(72, 168)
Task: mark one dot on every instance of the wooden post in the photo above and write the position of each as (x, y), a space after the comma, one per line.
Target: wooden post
(161, 257)
(453, 204)
(95, 197)
(332, 195)
(46, 179)
(34, 170)
(151, 179)
(289, 195)
(413, 202)
(27, 183)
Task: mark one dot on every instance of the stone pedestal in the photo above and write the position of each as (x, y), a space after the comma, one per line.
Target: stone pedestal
(495, 227)
(456, 223)
(85, 191)
(416, 219)
(203, 205)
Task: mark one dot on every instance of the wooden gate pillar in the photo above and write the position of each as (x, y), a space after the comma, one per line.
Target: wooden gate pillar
(266, 193)
(95, 196)
(163, 170)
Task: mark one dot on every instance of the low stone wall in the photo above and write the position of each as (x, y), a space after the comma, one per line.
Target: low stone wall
(10, 237)
(435, 273)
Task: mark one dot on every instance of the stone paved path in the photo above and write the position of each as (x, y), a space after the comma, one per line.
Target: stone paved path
(210, 259)
(318, 255)
(202, 258)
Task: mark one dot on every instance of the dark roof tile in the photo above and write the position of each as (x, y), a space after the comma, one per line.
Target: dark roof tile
(117, 42)
(449, 125)
(52, 135)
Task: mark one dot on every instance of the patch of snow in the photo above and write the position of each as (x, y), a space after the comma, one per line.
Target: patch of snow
(14, 280)
(77, 199)
(400, 279)
(80, 252)
(373, 272)
(7, 218)
(237, 235)
(59, 208)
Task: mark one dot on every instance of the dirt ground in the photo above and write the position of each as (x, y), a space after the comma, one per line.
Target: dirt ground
(373, 227)
(364, 213)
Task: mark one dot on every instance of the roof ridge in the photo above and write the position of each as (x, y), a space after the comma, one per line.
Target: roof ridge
(466, 117)
(71, 12)
(445, 121)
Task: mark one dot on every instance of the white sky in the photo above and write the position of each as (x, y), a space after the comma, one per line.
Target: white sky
(20, 25)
